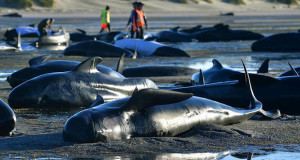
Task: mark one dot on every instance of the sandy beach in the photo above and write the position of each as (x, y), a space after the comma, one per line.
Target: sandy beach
(38, 133)
(92, 8)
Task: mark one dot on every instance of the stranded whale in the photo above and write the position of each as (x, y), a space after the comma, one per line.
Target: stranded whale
(38, 66)
(152, 112)
(77, 88)
(148, 48)
(218, 73)
(95, 48)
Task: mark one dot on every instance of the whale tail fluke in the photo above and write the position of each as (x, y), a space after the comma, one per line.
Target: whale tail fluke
(272, 114)
(264, 68)
(254, 103)
(293, 69)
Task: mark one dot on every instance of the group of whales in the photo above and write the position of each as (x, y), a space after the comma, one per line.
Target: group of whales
(101, 44)
(148, 112)
(120, 108)
(81, 84)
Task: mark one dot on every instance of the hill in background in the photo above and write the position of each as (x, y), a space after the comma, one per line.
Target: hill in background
(93, 7)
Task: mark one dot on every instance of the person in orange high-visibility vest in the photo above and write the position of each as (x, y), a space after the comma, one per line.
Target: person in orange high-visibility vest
(132, 16)
(138, 20)
(105, 19)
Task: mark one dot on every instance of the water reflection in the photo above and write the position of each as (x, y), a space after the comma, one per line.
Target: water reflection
(5, 73)
(192, 156)
(226, 155)
(28, 45)
(265, 156)
(52, 47)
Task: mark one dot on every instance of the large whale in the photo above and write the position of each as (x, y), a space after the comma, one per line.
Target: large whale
(153, 71)
(218, 73)
(191, 30)
(222, 32)
(77, 88)
(80, 36)
(153, 113)
(173, 36)
(95, 48)
(147, 36)
(275, 93)
(157, 71)
(148, 48)
(282, 42)
(38, 66)
(107, 36)
(7, 119)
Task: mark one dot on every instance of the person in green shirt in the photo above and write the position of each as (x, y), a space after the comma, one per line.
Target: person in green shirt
(105, 20)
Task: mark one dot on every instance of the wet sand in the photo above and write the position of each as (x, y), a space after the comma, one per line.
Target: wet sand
(38, 133)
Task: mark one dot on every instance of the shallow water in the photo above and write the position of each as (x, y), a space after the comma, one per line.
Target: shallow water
(228, 53)
(226, 155)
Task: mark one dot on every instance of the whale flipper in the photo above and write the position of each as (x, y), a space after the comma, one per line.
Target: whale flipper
(120, 65)
(201, 78)
(19, 45)
(217, 64)
(146, 98)
(38, 60)
(88, 66)
(264, 68)
(293, 69)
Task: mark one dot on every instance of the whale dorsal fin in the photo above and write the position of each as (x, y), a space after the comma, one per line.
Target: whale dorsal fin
(201, 78)
(120, 65)
(175, 29)
(293, 69)
(217, 64)
(146, 98)
(264, 68)
(88, 66)
(81, 31)
(38, 60)
(31, 25)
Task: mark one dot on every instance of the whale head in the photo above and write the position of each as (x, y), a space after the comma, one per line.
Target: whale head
(79, 128)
